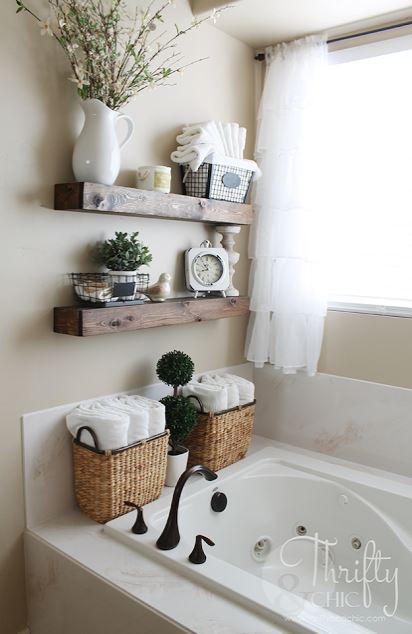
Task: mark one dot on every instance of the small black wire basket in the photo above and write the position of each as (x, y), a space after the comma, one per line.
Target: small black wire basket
(220, 182)
(106, 289)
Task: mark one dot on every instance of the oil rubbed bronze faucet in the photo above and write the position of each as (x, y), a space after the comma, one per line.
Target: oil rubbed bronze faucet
(171, 537)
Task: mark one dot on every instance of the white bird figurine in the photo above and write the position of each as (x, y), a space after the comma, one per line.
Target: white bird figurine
(161, 290)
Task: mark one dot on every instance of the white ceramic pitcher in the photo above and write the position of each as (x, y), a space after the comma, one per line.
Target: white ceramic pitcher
(96, 155)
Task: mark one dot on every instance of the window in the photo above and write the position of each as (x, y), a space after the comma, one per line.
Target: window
(368, 179)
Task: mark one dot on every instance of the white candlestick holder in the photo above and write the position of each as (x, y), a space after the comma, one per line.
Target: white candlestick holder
(228, 242)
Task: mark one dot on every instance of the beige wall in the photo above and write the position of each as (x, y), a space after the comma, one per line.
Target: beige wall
(368, 347)
(40, 120)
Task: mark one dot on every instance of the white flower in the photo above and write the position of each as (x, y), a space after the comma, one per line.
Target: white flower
(45, 27)
(62, 23)
(81, 79)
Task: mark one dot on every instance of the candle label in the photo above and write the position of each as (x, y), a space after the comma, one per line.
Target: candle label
(161, 180)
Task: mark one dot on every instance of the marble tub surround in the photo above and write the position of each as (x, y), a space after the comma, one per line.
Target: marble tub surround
(74, 570)
(364, 422)
(71, 561)
(80, 580)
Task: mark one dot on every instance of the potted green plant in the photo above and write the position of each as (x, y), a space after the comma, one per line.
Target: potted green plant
(122, 256)
(176, 368)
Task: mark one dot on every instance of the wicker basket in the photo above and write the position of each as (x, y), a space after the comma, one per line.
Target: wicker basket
(104, 480)
(221, 439)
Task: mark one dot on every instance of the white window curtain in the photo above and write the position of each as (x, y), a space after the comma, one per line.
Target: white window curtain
(288, 299)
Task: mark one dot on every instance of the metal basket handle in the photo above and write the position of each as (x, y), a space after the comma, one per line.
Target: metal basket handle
(92, 434)
(202, 409)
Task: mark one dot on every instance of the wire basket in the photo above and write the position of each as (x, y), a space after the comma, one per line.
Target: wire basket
(220, 182)
(142, 282)
(104, 288)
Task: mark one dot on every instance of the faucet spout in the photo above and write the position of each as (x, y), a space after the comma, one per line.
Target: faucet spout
(170, 536)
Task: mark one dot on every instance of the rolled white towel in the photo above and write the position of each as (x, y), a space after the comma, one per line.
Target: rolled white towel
(242, 142)
(194, 155)
(157, 417)
(193, 138)
(228, 136)
(212, 397)
(246, 388)
(110, 427)
(221, 130)
(231, 386)
(139, 416)
(234, 133)
(206, 132)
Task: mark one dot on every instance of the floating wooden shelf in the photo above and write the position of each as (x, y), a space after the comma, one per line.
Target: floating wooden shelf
(127, 201)
(84, 322)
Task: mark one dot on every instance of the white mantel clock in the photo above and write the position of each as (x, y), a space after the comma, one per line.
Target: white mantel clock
(207, 269)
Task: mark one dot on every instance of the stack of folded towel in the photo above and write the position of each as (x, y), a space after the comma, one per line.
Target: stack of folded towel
(212, 142)
(218, 392)
(118, 421)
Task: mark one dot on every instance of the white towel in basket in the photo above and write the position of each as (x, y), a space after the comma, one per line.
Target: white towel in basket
(194, 154)
(157, 416)
(206, 132)
(138, 416)
(234, 132)
(231, 386)
(212, 397)
(111, 427)
(246, 388)
(242, 141)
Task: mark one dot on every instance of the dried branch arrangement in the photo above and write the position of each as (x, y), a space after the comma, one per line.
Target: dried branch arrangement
(114, 55)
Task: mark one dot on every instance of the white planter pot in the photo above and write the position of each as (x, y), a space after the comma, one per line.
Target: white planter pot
(176, 465)
(121, 277)
(96, 155)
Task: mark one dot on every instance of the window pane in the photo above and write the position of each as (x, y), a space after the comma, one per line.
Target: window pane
(369, 180)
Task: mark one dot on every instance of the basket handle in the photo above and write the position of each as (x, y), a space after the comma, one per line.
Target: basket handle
(92, 434)
(186, 174)
(202, 409)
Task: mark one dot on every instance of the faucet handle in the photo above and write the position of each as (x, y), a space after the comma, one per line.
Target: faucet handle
(139, 527)
(197, 556)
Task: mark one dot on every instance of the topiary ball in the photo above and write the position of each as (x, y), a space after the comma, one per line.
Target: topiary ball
(181, 417)
(175, 368)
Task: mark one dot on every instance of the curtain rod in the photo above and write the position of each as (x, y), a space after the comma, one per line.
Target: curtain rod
(260, 57)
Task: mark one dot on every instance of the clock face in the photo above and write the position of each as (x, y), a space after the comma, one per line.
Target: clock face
(208, 269)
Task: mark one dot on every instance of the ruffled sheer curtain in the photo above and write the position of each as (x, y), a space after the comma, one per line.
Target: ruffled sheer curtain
(288, 300)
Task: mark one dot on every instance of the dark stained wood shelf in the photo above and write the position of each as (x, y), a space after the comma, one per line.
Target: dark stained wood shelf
(127, 201)
(84, 321)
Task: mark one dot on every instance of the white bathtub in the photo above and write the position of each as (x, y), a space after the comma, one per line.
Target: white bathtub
(262, 559)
